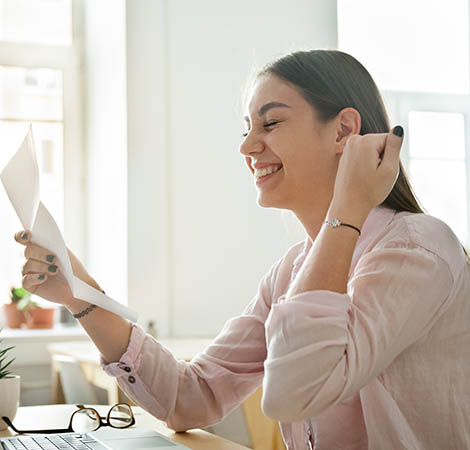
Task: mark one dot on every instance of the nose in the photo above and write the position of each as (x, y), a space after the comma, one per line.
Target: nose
(251, 145)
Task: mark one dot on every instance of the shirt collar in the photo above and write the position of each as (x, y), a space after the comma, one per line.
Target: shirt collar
(378, 218)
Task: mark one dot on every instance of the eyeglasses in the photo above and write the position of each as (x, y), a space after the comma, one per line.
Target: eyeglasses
(85, 419)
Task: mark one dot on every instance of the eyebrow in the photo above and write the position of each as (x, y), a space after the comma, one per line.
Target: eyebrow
(265, 108)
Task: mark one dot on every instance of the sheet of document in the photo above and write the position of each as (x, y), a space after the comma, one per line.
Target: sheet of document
(20, 177)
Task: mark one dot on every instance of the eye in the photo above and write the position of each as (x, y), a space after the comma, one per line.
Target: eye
(270, 124)
(266, 125)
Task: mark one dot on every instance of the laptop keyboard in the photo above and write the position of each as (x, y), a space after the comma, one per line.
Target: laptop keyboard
(53, 442)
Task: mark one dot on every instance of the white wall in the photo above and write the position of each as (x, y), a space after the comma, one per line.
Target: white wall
(222, 242)
(106, 149)
(147, 130)
(197, 242)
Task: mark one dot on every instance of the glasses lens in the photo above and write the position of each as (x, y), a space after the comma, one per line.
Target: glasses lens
(120, 416)
(85, 420)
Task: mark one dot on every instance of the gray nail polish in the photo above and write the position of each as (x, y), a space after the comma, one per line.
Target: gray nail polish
(50, 258)
(41, 277)
(398, 131)
(52, 268)
(24, 236)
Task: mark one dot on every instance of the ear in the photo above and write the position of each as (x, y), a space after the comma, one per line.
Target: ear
(348, 122)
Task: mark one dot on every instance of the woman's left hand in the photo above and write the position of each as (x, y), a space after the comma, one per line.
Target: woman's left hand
(367, 170)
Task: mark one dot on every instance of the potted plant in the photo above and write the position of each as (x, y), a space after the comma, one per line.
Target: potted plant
(36, 316)
(9, 388)
(14, 317)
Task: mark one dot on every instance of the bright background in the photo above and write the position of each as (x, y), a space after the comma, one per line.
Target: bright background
(136, 113)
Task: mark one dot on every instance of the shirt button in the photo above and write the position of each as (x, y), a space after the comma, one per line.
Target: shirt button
(127, 369)
(131, 379)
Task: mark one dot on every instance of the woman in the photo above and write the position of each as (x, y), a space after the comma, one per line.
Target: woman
(360, 335)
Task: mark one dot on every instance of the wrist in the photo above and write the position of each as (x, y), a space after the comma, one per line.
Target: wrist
(348, 213)
(75, 305)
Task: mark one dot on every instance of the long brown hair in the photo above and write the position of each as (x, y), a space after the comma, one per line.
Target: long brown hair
(330, 81)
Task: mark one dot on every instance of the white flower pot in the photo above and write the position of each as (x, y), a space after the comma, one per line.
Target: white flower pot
(9, 398)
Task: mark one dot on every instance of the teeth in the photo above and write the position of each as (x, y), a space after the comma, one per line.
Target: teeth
(259, 173)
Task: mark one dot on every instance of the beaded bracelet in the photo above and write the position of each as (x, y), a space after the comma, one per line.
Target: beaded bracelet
(85, 311)
(334, 223)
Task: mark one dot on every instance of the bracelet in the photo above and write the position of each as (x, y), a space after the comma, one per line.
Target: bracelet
(85, 311)
(334, 223)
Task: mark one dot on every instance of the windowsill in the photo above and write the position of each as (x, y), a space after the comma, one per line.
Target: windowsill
(58, 333)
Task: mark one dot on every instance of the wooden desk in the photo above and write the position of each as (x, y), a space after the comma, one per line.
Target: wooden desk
(57, 416)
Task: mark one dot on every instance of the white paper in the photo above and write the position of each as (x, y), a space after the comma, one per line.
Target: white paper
(20, 177)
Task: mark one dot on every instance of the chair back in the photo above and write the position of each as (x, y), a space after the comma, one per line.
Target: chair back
(233, 427)
(76, 388)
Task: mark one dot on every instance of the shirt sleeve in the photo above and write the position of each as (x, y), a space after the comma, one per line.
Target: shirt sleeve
(325, 346)
(201, 392)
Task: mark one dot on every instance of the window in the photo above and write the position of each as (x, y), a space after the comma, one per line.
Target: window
(419, 57)
(36, 21)
(40, 85)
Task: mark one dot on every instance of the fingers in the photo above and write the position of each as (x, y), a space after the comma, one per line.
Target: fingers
(35, 267)
(391, 154)
(23, 237)
(33, 251)
(32, 281)
(40, 254)
(39, 264)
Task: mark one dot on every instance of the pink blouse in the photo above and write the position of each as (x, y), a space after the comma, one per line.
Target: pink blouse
(384, 366)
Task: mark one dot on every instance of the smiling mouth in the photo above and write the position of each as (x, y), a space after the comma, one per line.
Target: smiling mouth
(261, 173)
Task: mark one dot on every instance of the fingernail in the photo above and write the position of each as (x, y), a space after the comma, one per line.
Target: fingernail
(52, 268)
(398, 131)
(50, 258)
(24, 236)
(42, 276)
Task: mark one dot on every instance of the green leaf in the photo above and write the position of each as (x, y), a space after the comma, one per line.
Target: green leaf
(3, 366)
(20, 293)
(2, 352)
(4, 373)
(6, 365)
(3, 359)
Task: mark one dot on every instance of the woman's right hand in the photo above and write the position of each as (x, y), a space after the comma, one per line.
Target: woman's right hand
(110, 332)
(41, 276)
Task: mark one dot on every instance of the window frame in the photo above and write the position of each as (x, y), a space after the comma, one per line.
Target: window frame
(400, 103)
(68, 59)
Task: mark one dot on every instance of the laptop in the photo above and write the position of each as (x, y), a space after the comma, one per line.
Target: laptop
(102, 439)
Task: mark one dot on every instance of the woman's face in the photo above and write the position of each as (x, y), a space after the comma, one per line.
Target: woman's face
(293, 156)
